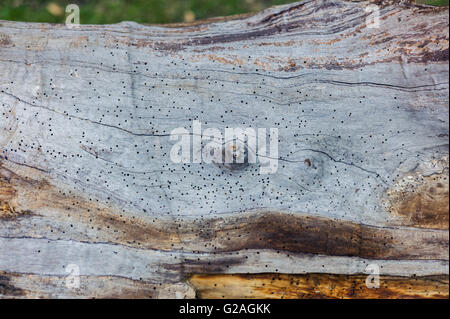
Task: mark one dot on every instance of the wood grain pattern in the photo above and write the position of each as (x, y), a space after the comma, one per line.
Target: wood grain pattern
(421, 199)
(26, 286)
(317, 286)
(362, 177)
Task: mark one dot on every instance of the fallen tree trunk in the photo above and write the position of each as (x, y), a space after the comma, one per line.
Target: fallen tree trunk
(87, 181)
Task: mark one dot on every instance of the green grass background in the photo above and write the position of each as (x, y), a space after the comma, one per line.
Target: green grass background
(142, 11)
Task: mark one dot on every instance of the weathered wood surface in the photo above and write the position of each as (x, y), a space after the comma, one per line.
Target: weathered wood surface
(362, 175)
(263, 286)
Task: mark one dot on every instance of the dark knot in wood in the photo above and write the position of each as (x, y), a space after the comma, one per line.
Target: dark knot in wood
(234, 155)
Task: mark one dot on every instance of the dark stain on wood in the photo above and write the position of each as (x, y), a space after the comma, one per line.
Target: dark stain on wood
(435, 56)
(6, 288)
(217, 265)
(295, 233)
(7, 212)
(5, 41)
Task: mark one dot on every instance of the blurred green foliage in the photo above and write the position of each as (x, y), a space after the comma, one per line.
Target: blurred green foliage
(142, 11)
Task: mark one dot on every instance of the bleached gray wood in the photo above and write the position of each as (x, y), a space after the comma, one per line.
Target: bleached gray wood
(86, 116)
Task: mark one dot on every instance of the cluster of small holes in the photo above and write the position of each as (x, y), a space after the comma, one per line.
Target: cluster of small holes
(105, 129)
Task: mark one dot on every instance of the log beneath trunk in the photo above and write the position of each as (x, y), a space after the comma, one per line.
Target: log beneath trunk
(86, 177)
(317, 286)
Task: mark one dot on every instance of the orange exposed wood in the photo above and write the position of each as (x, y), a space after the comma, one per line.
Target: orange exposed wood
(313, 286)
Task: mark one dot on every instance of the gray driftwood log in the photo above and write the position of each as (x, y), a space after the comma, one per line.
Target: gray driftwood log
(362, 115)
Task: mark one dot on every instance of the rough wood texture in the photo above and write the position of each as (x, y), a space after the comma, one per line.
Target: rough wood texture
(362, 114)
(317, 286)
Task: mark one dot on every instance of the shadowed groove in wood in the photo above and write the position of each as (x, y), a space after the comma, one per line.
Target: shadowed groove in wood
(317, 286)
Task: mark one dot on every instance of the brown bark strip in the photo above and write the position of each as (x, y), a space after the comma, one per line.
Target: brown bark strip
(317, 286)
(296, 233)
